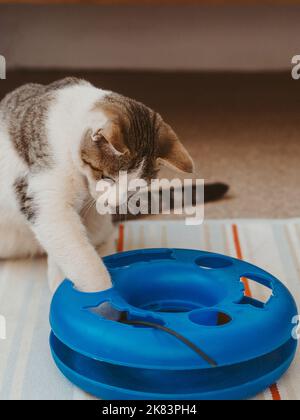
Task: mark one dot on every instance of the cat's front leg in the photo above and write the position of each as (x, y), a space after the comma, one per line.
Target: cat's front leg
(55, 275)
(102, 232)
(60, 231)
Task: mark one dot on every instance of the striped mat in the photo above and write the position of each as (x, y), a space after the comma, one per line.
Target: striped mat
(26, 367)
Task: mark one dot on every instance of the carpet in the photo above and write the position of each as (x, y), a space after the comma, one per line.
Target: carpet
(241, 129)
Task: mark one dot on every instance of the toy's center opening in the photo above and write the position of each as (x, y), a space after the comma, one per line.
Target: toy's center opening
(169, 287)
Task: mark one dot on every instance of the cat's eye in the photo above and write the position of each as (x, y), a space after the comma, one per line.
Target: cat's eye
(108, 179)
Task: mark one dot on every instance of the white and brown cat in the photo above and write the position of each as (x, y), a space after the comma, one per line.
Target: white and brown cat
(56, 143)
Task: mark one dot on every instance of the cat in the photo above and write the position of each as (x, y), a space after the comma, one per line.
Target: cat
(56, 142)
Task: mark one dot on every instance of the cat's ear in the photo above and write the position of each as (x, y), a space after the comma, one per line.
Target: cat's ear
(171, 152)
(112, 134)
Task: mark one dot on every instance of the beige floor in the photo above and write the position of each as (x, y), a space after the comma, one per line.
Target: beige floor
(243, 129)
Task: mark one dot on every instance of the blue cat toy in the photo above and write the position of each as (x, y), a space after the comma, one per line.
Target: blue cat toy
(185, 329)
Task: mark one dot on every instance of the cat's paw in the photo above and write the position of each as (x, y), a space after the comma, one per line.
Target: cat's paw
(94, 280)
(90, 286)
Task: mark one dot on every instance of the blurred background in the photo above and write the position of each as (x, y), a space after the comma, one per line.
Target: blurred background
(219, 74)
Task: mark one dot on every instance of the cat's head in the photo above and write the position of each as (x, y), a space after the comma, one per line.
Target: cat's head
(132, 139)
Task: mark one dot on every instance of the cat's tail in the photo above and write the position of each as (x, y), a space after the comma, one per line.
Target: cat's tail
(215, 192)
(212, 192)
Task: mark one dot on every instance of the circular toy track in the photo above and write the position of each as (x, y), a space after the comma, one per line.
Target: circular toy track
(176, 325)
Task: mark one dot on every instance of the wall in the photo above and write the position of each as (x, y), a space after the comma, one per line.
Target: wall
(150, 37)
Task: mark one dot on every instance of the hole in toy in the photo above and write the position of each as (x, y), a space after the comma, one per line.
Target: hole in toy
(258, 291)
(170, 307)
(127, 260)
(211, 263)
(127, 318)
(169, 287)
(210, 318)
(246, 300)
(107, 311)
